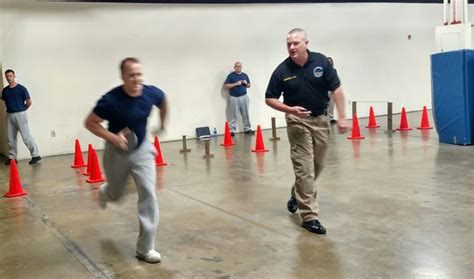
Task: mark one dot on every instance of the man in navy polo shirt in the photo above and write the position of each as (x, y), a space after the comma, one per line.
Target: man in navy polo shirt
(305, 78)
(17, 100)
(237, 83)
(127, 152)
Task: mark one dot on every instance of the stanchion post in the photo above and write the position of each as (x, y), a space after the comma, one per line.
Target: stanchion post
(207, 153)
(185, 146)
(274, 132)
(389, 117)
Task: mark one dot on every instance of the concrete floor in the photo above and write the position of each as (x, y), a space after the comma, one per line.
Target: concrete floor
(395, 206)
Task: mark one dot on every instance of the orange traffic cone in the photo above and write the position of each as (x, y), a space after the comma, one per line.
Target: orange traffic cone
(372, 122)
(15, 183)
(403, 121)
(259, 145)
(425, 124)
(78, 159)
(227, 136)
(89, 160)
(159, 156)
(355, 129)
(96, 173)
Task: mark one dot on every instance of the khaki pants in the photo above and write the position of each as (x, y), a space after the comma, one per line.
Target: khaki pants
(308, 140)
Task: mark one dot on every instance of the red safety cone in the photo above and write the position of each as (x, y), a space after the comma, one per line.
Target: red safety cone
(227, 136)
(403, 122)
(425, 124)
(96, 173)
(78, 159)
(15, 184)
(372, 121)
(355, 129)
(89, 160)
(259, 145)
(159, 156)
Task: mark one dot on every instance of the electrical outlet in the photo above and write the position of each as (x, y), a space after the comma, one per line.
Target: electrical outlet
(53, 134)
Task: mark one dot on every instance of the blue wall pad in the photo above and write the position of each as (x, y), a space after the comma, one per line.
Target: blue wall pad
(452, 76)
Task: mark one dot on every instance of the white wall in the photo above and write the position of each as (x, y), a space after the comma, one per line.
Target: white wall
(67, 55)
(3, 123)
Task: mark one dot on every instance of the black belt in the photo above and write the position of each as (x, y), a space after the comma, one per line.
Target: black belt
(324, 112)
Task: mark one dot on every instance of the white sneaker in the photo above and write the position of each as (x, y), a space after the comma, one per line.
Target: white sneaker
(102, 196)
(151, 257)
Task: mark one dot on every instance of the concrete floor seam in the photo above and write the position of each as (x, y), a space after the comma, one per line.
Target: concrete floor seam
(192, 183)
(230, 213)
(95, 270)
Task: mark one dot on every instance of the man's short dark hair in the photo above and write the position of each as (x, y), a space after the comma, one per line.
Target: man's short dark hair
(127, 60)
(9, 71)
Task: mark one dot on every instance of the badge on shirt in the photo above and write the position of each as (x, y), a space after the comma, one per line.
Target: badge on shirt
(318, 72)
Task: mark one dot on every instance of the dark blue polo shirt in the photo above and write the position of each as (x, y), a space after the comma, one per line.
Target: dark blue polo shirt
(305, 86)
(240, 90)
(15, 98)
(121, 110)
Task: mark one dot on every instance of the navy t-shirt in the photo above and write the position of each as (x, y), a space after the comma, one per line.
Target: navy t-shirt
(121, 110)
(15, 98)
(305, 86)
(240, 90)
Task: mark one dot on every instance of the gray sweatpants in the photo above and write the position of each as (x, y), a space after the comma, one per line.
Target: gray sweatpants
(239, 104)
(140, 163)
(18, 121)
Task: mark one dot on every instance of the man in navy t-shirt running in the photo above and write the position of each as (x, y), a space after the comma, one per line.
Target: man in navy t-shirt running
(17, 100)
(127, 152)
(237, 83)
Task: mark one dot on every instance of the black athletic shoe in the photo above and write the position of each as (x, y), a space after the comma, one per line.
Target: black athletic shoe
(292, 205)
(333, 121)
(8, 161)
(314, 226)
(35, 160)
(232, 134)
(250, 132)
